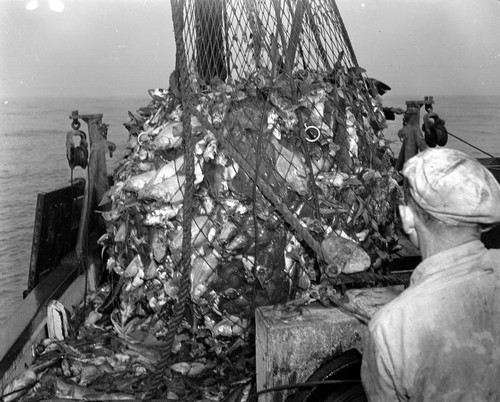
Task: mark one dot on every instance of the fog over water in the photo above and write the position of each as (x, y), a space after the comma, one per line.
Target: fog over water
(100, 56)
(122, 47)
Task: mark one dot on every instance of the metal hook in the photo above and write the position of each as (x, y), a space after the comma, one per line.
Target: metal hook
(309, 136)
(75, 124)
(139, 137)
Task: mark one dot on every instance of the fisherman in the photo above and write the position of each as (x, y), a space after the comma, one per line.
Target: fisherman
(411, 137)
(435, 132)
(439, 340)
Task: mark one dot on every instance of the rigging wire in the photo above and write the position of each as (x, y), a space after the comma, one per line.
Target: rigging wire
(465, 142)
(308, 384)
(469, 144)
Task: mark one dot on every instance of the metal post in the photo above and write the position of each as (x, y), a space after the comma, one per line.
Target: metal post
(413, 107)
(97, 181)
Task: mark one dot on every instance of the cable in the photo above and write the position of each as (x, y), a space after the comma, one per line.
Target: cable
(468, 143)
(302, 385)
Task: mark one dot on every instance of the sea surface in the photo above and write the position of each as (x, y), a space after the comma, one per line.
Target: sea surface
(33, 159)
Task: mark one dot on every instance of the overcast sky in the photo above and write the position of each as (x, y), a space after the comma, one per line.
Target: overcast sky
(124, 47)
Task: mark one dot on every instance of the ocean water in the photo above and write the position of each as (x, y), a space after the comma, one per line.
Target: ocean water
(472, 121)
(33, 159)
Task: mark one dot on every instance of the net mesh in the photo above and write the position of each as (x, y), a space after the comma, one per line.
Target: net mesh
(235, 39)
(292, 187)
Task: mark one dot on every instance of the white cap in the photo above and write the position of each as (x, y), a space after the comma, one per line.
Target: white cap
(453, 187)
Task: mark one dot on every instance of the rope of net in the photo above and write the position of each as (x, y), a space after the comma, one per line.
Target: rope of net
(371, 277)
(188, 207)
(152, 386)
(345, 35)
(266, 189)
(259, 149)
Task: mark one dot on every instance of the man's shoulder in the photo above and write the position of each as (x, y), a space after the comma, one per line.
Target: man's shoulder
(492, 256)
(396, 311)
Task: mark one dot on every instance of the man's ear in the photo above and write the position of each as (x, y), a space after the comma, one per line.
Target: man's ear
(407, 218)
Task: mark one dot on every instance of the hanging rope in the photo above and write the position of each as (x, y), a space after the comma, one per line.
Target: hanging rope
(79, 156)
(188, 206)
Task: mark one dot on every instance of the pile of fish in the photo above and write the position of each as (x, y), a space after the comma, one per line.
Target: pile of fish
(315, 142)
(327, 165)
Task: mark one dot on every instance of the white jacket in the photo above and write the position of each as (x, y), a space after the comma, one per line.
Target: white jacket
(440, 339)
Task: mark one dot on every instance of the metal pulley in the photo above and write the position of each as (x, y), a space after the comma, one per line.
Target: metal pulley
(77, 155)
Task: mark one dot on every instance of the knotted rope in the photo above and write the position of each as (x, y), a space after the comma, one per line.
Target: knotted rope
(188, 205)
